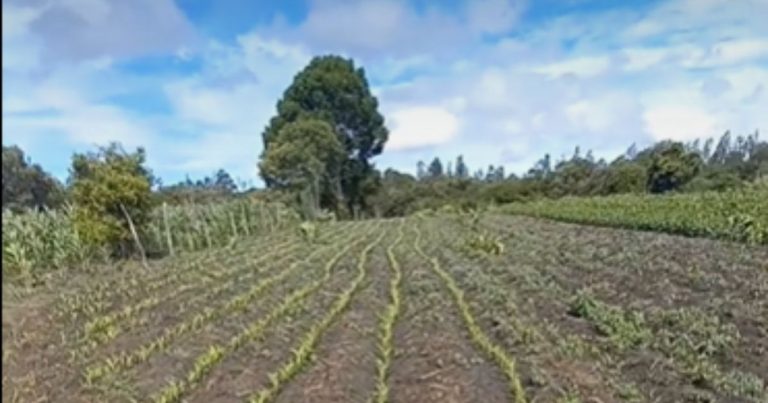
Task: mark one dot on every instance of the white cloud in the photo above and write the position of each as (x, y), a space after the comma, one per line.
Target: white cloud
(421, 126)
(590, 115)
(643, 58)
(74, 30)
(585, 66)
(84, 125)
(449, 82)
(494, 16)
(679, 122)
(381, 29)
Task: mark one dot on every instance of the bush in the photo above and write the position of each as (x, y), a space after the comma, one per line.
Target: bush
(106, 186)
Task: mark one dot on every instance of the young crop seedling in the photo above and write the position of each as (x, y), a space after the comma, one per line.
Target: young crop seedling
(176, 390)
(304, 351)
(506, 363)
(387, 323)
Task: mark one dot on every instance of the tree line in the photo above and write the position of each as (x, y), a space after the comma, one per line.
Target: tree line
(666, 166)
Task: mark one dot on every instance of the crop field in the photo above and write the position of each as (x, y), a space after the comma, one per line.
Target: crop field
(430, 308)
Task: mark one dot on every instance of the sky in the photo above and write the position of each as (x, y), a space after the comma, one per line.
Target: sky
(500, 82)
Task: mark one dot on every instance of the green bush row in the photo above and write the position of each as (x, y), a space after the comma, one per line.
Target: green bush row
(739, 215)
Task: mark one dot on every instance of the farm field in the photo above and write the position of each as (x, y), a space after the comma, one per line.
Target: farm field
(405, 310)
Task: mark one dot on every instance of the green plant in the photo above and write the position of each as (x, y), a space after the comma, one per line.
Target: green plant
(479, 337)
(387, 323)
(626, 329)
(485, 243)
(739, 214)
(306, 347)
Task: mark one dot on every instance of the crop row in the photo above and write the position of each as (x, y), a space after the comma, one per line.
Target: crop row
(687, 337)
(92, 299)
(303, 352)
(97, 298)
(739, 215)
(206, 362)
(128, 359)
(478, 336)
(104, 328)
(387, 323)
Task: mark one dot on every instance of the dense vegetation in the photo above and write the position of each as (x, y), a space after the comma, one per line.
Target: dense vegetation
(27, 185)
(664, 167)
(335, 175)
(34, 242)
(740, 215)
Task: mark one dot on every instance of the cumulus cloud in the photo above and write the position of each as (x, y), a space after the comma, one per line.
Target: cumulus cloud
(82, 29)
(421, 126)
(459, 79)
(678, 122)
(584, 66)
(378, 29)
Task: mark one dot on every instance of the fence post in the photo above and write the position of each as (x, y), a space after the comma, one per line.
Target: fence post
(167, 229)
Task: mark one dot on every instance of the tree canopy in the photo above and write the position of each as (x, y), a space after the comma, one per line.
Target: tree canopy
(306, 157)
(106, 185)
(333, 90)
(27, 185)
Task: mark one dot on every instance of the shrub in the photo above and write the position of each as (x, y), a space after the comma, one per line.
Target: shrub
(106, 186)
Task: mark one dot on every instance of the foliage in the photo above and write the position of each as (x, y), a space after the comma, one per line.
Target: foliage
(665, 166)
(38, 240)
(35, 242)
(671, 167)
(435, 169)
(740, 215)
(26, 185)
(192, 227)
(106, 186)
(308, 231)
(306, 157)
(331, 89)
(218, 187)
(625, 329)
(485, 243)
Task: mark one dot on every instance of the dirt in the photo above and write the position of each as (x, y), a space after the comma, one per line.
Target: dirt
(345, 361)
(522, 300)
(434, 358)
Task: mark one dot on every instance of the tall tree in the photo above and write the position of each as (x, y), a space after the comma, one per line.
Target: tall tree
(722, 149)
(435, 169)
(671, 167)
(490, 174)
(332, 89)
(306, 157)
(224, 182)
(26, 185)
(462, 171)
(421, 170)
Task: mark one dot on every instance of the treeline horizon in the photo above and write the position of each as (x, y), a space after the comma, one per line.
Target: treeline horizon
(697, 165)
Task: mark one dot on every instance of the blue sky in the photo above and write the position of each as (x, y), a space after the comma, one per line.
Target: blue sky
(500, 81)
